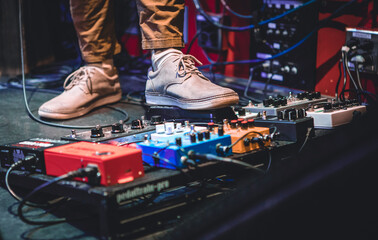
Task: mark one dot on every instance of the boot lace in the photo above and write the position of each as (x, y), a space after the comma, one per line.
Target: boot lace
(81, 77)
(187, 64)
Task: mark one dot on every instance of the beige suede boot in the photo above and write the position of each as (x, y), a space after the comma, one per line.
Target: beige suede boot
(87, 88)
(177, 82)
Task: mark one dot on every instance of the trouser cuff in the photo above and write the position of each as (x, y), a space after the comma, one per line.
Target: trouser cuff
(163, 43)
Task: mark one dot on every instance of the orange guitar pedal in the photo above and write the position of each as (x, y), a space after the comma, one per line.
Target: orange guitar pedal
(248, 136)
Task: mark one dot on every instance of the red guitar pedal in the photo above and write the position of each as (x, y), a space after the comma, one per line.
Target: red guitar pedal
(116, 164)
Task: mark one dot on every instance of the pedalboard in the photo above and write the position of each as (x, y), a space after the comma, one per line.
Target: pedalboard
(246, 136)
(116, 165)
(166, 148)
(271, 106)
(169, 113)
(133, 132)
(14, 152)
(331, 115)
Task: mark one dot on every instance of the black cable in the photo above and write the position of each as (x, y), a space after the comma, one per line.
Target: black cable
(269, 161)
(10, 169)
(342, 93)
(338, 82)
(82, 172)
(242, 137)
(348, 71)
(358, 75)
(306, 139)
(267, 83)
(212, 157)
(226, 6)
(251, 70)
(274, 131)
(16, 165)
(156, 156)
(198, 33)
(358, 90)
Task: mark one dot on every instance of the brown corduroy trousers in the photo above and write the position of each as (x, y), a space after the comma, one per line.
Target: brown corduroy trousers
(161, 23)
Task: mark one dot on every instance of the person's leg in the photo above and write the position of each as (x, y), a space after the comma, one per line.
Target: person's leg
(96, 83)
(174, 80)
(94, 24)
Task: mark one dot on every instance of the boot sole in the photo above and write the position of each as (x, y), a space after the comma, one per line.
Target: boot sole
(215, 102)
(100, 102)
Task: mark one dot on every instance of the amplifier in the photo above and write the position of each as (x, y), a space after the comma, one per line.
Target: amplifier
(297, 68)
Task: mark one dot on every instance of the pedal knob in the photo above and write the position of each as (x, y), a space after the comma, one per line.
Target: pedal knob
(246, 142)
(276, 102)
(233, 124)
(73, 133)
(117, 128)
(179, 127)
(336, 104)
(280, 115)
(179, 141)
(156, 120)
(300, 96)
(145, 137)
(193, 138)
(136, 124)
(283, 101)
(301, 113)
(251, 123)
(244, 125)
(200, 136)
(292, 115)
(207, 134)
(169, 128)
(210, 126)
(285, 114)
(311, 96)
(327, 106)
(220, 131)
(241, 112)
(267, 102)
(97, 132)
(318, 95)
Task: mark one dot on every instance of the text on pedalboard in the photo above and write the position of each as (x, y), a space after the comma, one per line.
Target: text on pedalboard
(143, 190)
